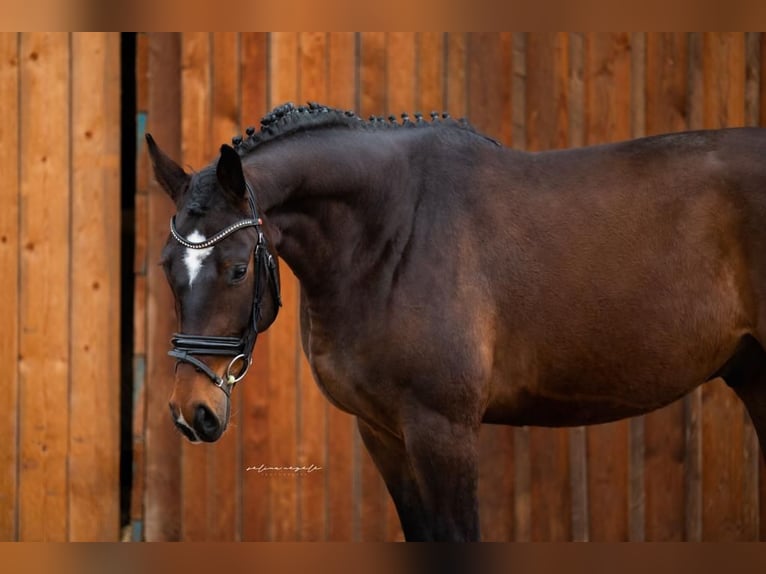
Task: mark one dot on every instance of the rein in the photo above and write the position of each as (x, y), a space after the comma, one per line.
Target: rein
(187, 347)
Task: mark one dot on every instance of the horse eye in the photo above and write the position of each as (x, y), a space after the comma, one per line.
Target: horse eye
(238, 273)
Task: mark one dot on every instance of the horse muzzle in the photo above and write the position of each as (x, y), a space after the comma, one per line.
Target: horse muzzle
(199, 411)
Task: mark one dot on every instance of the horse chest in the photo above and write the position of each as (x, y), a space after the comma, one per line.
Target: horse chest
(353, 373)
(337, 377)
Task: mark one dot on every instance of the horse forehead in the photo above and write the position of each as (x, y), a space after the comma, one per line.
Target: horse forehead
(195, 258)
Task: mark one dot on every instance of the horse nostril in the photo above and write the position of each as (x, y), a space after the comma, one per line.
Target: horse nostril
(206, 424)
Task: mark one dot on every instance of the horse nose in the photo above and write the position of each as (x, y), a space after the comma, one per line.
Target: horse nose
(207, 424)
(181, 425)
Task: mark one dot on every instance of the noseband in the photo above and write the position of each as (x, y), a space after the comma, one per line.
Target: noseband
(186, 347)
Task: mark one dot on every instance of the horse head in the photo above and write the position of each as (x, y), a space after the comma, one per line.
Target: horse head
(224, 276)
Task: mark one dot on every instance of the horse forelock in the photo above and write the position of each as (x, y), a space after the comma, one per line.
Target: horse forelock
(202, 189)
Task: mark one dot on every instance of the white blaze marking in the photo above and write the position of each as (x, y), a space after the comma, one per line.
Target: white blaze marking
(194, 257)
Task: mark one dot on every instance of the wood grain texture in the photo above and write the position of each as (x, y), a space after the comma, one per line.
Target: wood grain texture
(753, 455)
(95, 288)
(341, 427)
(254, 389)
(636, 425)
(401, 90)
(652, 478)
(225, 468)
(374, 70)
(693, 401)
(140, 263)
(44, 301)
(312, 406)
(456, 69)
(197, 485)
(546, 121)
(9, 281)
(489, 108)
(667, 94)
(729, 492)
(162, 495)
(608, 118)
(522, 479)
(284, 339)
(430, 86)
(578, 464)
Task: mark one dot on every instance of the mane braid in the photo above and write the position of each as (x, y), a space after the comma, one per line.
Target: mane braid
(287, 119)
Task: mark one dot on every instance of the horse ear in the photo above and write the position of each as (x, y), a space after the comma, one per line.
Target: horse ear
(229, 173)
(169, 174)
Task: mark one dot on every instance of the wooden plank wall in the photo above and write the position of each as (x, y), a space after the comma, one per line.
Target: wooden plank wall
(690, 471)
(60, 286)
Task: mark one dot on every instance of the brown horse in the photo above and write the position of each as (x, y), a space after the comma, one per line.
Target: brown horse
(447, 281)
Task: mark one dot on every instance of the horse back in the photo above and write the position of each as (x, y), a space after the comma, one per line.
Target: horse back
(611, 268)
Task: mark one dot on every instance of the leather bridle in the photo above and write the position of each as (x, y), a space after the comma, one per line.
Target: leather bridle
(187, 347)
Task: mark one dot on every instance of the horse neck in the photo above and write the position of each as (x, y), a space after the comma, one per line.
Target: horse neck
(334, 201)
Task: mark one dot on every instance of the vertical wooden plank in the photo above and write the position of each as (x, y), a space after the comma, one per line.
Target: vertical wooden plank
(666, 82)
(141, 230)
(162, 496)
(752, 78)
(547, 91)
(547, 120)
(729, 494)
(9, 281)
(254, 391)
(667, 95)
(312, 422)
(577, 436)
(762, 83)
(693, 401)
(44, 301)
(522, 480)
(636, 425)
(373, 76)
(401, 91)
(341, 427)
(489, 110)
(430, 93)
(754, 461)
(521, 440)
(456, 69)
(224, 459)
(608, 118)
(197, 511)
(401, 82)
(95, 288)
(284, 347)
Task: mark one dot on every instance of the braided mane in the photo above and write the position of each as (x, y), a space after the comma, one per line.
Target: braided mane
(288, 119)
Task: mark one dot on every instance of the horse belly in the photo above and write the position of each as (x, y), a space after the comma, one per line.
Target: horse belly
(584, 401)
(607, 381)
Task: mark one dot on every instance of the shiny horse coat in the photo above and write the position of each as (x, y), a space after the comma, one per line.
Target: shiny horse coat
(448, 281)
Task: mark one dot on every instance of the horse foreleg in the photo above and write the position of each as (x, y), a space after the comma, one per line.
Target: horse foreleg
(444, 458)
(390, 458)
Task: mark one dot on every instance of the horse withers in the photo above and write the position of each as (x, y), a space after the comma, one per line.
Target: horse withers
(448, 281)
